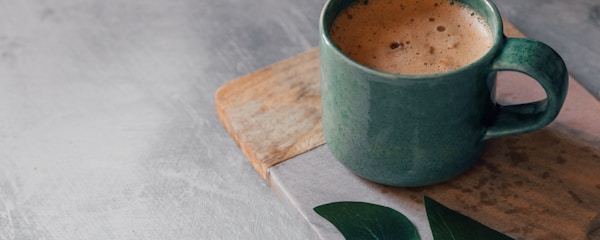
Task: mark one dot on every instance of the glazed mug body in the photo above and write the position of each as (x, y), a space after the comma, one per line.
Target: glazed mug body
(416, 130)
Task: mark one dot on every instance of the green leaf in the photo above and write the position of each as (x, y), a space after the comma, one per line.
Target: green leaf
(447, 224)
(364, 221)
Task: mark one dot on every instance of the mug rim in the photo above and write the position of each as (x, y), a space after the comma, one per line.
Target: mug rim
(498, 37)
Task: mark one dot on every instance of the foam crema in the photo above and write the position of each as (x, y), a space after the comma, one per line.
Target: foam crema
(411, 36)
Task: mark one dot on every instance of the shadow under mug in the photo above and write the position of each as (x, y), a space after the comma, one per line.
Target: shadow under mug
(416, 130)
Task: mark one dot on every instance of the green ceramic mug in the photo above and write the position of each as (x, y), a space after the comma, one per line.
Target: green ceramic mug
(416, 130)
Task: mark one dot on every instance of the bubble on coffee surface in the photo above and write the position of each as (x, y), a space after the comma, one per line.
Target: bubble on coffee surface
(399, 45)
(452, 41)
(423, 39)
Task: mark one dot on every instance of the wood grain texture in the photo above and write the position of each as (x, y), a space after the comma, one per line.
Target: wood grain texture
(542, 185)
(274, 113)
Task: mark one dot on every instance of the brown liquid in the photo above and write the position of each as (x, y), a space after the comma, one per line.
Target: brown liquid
(411, 36)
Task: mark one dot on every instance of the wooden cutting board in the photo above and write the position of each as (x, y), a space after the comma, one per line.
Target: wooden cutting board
(273, 114)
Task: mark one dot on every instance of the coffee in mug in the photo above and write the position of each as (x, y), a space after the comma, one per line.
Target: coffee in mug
(411, 37)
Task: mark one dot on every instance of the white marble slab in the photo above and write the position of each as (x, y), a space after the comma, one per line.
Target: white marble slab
(316, 178)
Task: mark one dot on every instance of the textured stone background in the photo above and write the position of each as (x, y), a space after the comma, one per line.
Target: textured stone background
(108, 128)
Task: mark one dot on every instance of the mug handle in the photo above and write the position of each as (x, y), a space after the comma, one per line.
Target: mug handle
(543, 64)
